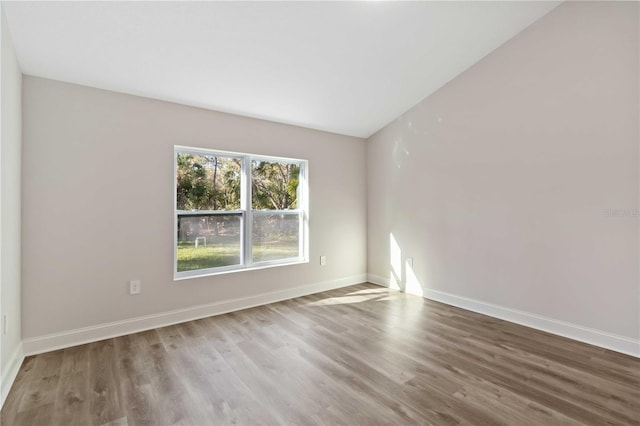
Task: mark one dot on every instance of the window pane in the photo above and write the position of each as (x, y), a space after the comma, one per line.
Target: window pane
(275, 236)
(274, 185)
(207, 182)
(208, 241)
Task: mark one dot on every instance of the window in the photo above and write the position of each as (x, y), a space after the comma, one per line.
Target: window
(238, 211)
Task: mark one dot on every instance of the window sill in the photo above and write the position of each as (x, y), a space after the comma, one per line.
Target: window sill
(208, 272)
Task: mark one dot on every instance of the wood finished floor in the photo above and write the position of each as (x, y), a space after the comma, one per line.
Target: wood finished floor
(358, 355)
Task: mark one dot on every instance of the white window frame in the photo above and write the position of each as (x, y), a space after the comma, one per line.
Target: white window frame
(246, 213)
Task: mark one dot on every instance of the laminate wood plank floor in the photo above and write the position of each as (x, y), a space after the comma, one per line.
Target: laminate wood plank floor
(357, 355)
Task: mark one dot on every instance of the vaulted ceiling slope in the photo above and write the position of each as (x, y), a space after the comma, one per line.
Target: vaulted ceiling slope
(345, 67)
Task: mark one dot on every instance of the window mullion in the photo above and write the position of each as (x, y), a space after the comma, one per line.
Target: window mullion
(246, 207)
(303, 206)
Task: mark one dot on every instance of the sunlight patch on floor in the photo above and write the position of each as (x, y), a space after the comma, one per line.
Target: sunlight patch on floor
(343, 300)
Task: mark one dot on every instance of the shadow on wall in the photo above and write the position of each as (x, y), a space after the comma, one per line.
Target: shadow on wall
(401, 274)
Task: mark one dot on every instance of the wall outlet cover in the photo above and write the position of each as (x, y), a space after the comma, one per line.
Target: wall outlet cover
(134, 287)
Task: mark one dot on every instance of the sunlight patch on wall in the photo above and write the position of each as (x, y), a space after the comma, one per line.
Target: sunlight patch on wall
(402, 277)
(412, 285)
(400, 153)
(395, 260)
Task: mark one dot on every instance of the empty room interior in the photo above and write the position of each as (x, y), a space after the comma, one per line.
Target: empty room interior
(331, 213)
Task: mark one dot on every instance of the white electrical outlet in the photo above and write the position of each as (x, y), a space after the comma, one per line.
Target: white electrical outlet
(410, 262)
(323, 260)
(134, 287)
(5, 324)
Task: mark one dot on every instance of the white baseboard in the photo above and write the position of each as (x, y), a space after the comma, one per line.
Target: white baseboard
(65, 339)
(599, 338)
(379, 280)
(9, 375)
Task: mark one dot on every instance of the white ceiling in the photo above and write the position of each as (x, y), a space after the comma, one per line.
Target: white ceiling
(345, 67)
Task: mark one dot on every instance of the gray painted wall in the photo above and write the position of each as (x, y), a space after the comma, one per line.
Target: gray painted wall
(10, 164)
(98, 205)
(499, 184)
